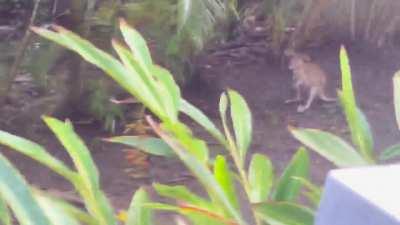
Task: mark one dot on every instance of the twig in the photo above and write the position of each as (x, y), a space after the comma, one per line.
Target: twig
(19, 56)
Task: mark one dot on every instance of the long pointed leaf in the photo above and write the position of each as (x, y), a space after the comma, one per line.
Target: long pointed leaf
(199, 117)
(144, 87)
(359, 127)
(37, 153)
(288, 188)
(168, 90)
(55, 213)
(150, 145)
(201, 172)
(137, 44)
(101, 59)
(95, 199)
(138, 214)
(330, 147)
(182, 194)
(5, 214)
(15, 192)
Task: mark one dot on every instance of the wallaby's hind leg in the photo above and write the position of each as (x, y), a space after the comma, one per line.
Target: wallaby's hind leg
(311, 97)
(325, 98)
(297, 98)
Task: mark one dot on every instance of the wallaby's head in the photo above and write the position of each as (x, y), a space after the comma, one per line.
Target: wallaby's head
(296, 63)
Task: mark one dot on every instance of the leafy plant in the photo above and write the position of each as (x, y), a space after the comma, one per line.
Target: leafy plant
(154, 86)
(282, 16)
(182, 29)
(335, 149)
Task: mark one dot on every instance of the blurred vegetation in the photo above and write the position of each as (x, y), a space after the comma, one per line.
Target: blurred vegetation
(178, 29)
(266, 199)
(179, 32)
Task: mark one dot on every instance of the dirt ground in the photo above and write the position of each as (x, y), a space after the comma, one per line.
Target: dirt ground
(265, 84)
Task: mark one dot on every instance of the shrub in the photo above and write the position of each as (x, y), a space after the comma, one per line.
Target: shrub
(271, 200)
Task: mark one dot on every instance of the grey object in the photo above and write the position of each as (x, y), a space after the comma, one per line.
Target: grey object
(361, 196)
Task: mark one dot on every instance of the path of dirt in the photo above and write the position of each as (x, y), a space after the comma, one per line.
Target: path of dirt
(265, 85)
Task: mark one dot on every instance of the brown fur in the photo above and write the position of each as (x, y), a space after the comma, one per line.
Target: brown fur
(309, 76)
(291, 53)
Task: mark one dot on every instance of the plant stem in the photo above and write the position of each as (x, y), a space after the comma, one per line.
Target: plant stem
(232, 148)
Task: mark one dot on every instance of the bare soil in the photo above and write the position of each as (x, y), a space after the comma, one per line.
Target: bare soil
(265, 84)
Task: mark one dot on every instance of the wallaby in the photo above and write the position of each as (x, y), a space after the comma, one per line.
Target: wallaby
(309, 76)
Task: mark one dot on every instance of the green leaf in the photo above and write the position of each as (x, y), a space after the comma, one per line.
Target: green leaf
(169, 91)
(130, 80)
(74, 211)
(198, 116)
(223, 107)
(358, 124)
(15, 192)
(242, 122)
(150, 145)
(181, 193)
(89, 187)
(284, 213)
(161, 206)
(396, 96)
(5, 215)
(37, 153)
(330, 147)
(202, 173)
(55, 213)
(138, 214)
(137, 44)
(313, 192)
(224, 177)
(78, 151)
(288, 188)
(145, 88)
(196, 215)
(390, 153)
(261, 178)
